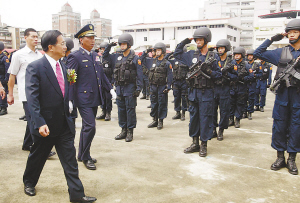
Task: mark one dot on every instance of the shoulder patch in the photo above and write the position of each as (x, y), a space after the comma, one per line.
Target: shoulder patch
(235, 67)
(139, 62)
(170, 66)
(271, 68)
(260, 67)
(250, 70)
(7, 61)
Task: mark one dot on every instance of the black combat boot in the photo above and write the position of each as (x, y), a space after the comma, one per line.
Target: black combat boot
(231, 121)
(256, 108)
(291, 164)
(154, 123)
(182, 116)
(195, 147)
(129, 136)
(107, 116)
(149, 106)
(203, 149)
(214, 133)
(280, 161)
(143, 97)
(160, 124)
(177, 115)
(262, 109)
(245, 115)
(122, 135)
(102, 116)
(249, 116)
(220, 134)
(237, 123)
(3, 111)
(147, 97)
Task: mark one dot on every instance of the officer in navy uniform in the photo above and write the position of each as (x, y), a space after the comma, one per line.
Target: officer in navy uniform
(222, 88)
(179, 85)
(263, 82)
(128, 82)
(238, 90)
(286, 114)
(108, 71)
(146, 70)
(249, 108)
(4, 76)
(160, 80)
(87, 92)
(200, 93)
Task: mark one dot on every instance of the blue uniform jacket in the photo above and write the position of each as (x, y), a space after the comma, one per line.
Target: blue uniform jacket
(5, 61)
(126, 89)
(168, 66)
(187, 58)
(91, 81)
(248, 67)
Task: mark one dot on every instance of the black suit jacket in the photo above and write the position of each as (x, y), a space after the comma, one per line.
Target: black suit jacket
(45, 99)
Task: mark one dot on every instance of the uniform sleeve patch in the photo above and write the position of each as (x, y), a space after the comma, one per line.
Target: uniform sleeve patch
(235, 67)
(7, 61)
(260, 67)
(250, 70)
(139, 62)
(270, 68)
(170, 66)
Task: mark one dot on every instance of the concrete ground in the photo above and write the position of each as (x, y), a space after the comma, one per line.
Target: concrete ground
(153, 168)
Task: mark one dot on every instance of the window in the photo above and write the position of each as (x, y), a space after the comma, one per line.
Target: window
(184, 28)
(145, 39)
(154, 29)
(128, 30)
(217, 26)
(196, 27)
(141, 30)
(234, 39)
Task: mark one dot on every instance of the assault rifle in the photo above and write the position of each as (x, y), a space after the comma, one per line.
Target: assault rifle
(290, 71)
(197, 69)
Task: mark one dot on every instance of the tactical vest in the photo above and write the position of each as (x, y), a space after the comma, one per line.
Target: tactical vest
(253, 68)
(265, 71)
(201, 82)
(223, 80)
(107, 69)
(2, 65)
(286, 58)
(179, 71)
(125, 72)
(158, 74)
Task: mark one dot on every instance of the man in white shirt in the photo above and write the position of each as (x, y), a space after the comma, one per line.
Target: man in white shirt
(17, 69)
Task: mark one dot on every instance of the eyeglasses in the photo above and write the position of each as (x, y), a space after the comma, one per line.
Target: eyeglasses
(62, 44)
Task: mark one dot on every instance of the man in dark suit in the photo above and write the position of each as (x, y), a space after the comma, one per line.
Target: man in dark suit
(47, 89)
(87, 92)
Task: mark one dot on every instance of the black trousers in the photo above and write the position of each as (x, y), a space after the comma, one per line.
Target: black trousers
(27, 137)
(64, 144)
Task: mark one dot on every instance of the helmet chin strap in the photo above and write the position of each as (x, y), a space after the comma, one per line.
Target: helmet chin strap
(294, 41)
(221, 53)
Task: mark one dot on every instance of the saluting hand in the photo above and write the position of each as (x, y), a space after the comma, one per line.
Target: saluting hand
(44, 131)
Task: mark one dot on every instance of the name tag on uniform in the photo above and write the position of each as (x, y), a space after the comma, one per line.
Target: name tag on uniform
(97, 58)
(85, 60)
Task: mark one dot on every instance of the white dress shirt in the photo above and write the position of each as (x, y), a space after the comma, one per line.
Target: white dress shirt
(53, 64)
(19, 63)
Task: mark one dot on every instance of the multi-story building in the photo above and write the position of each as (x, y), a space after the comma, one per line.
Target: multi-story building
(247, 10)
(10, 36)
(103, 26)
(171, 33)
(66, 21)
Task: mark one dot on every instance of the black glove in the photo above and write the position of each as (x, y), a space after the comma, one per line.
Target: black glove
(206, 69)
(224, 71)
(277, 37)
(186, 41)
(149, 50)
(268, 86)
(136, 93)
(112, 44)
(166, 91)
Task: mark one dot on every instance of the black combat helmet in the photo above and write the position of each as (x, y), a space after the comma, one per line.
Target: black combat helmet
(69, 44)
(239, 50)
(161, 46)
(293, 25)
(202, 32)
(22, 46)
(125, 38)
(250, 52)
(224, 43)
(103, 45)
(1, 46)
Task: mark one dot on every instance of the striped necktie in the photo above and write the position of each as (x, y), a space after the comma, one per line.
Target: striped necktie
(60, 79)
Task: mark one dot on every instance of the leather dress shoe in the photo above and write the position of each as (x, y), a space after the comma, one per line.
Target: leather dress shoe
(25, 119)
(85, 199)
(94, 160)
(51, 154)
(29, 190)
(22, 117)
(26, 148)
(89, 164)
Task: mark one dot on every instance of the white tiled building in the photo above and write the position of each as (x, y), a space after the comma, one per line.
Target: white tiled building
(171, 33)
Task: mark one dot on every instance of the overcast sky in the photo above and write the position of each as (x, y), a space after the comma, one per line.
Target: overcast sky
(38, 13)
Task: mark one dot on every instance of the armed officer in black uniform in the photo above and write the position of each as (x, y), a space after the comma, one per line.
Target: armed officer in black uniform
(4, 76)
